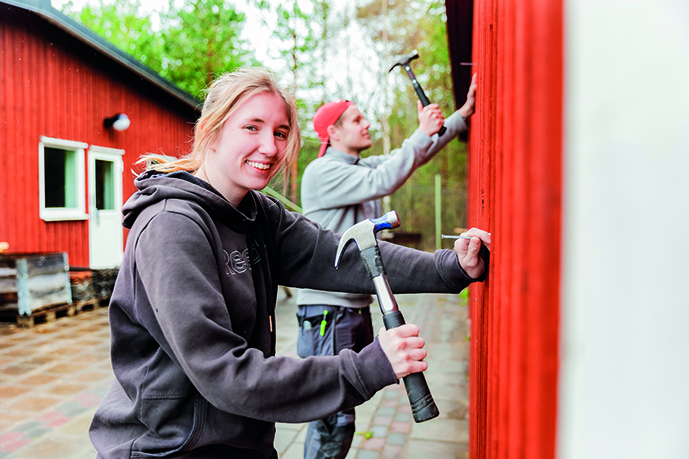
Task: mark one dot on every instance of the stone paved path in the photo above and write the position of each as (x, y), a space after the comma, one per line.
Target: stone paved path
(53, 376)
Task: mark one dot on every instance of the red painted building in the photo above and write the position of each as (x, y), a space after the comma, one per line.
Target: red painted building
(578, 167)
(516, 192)
(65, 171)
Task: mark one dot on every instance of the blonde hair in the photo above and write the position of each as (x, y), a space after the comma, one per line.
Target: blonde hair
(224, 96)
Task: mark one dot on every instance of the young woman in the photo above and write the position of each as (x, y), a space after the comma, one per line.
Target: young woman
(192, 312)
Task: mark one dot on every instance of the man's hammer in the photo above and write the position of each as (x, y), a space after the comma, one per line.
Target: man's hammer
(363, 234)
(405, 62)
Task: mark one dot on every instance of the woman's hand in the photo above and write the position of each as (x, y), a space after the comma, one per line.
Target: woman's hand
(468, 249)
(404, 349)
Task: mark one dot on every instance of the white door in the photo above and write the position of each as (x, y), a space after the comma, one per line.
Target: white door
(105, 207)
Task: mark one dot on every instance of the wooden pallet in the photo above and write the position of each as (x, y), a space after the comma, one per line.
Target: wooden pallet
(87, 305)
(50, 314)
(44, 315)
(34, 281)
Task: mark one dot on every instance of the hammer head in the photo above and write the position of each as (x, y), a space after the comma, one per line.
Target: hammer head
(405, 60)
(363, 234)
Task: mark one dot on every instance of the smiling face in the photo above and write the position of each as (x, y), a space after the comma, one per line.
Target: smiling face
(250, 148)
(350, 134)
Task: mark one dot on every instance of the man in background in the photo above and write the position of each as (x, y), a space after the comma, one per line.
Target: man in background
(339, 189)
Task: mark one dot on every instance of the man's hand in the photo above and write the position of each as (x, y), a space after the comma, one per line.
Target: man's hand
(468, 108)
(404, 349)
(430, 118)
(467, 251)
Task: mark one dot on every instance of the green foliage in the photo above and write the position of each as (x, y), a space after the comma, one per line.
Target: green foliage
(201, 41)
(300, 29)
(124, 26)
(194, 43)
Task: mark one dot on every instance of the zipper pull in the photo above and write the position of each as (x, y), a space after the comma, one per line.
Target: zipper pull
(270, 319)
(324, 322)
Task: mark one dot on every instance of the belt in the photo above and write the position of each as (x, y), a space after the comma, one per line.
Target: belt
(316, 310)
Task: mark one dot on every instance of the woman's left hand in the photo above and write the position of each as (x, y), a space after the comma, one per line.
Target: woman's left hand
(468, 251)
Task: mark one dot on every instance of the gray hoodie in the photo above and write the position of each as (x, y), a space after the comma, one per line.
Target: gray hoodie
(192, 324)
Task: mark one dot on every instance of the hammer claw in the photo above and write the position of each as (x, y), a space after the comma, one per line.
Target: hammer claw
(363, 234)
(405, 60)
(341, 248)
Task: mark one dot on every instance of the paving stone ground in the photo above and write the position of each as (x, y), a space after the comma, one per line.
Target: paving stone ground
(53, 376)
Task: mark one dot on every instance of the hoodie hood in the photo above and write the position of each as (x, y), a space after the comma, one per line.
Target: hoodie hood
(154, 187)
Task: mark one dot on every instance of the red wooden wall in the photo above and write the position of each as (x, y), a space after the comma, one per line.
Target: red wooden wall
(53, 85)
(515, 161)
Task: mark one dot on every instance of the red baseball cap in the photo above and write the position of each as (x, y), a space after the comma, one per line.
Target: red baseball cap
(325, 117)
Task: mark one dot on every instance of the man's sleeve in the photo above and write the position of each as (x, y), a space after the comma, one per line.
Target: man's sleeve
(340, 185)
(454, 124)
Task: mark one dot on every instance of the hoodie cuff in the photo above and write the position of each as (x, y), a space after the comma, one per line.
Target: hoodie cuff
(421, 139)
(452, 272)
(456, 123)
(376, 371)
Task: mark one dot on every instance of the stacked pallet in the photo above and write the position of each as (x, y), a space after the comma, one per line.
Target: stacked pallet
(41, 287)
(34, 286)
(91, 287)
(104, 282)
(83, 291)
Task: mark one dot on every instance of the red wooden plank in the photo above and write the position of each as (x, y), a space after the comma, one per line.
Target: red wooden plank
(515, 186)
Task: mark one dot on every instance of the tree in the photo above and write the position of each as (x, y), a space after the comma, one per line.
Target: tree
(201, 40)
(194, 42)
(123, 25)
(328, 52)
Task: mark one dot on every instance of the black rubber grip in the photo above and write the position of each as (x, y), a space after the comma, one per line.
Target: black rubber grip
(422, 95)
(423, 406)
(424, 102)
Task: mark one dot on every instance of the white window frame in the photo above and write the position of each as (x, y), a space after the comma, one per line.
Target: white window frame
(66, 213)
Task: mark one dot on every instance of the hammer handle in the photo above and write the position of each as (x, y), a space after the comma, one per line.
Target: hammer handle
(419, 92)
(422, 95)
(422, 405)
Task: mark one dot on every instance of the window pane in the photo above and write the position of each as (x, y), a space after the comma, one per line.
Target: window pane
(71, 179)
(105, 185)
(54, 177)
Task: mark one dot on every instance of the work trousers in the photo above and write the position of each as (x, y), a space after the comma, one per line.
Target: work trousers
(326, 330)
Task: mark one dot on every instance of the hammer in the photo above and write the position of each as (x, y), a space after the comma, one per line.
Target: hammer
(363, 234)
(405, 62)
